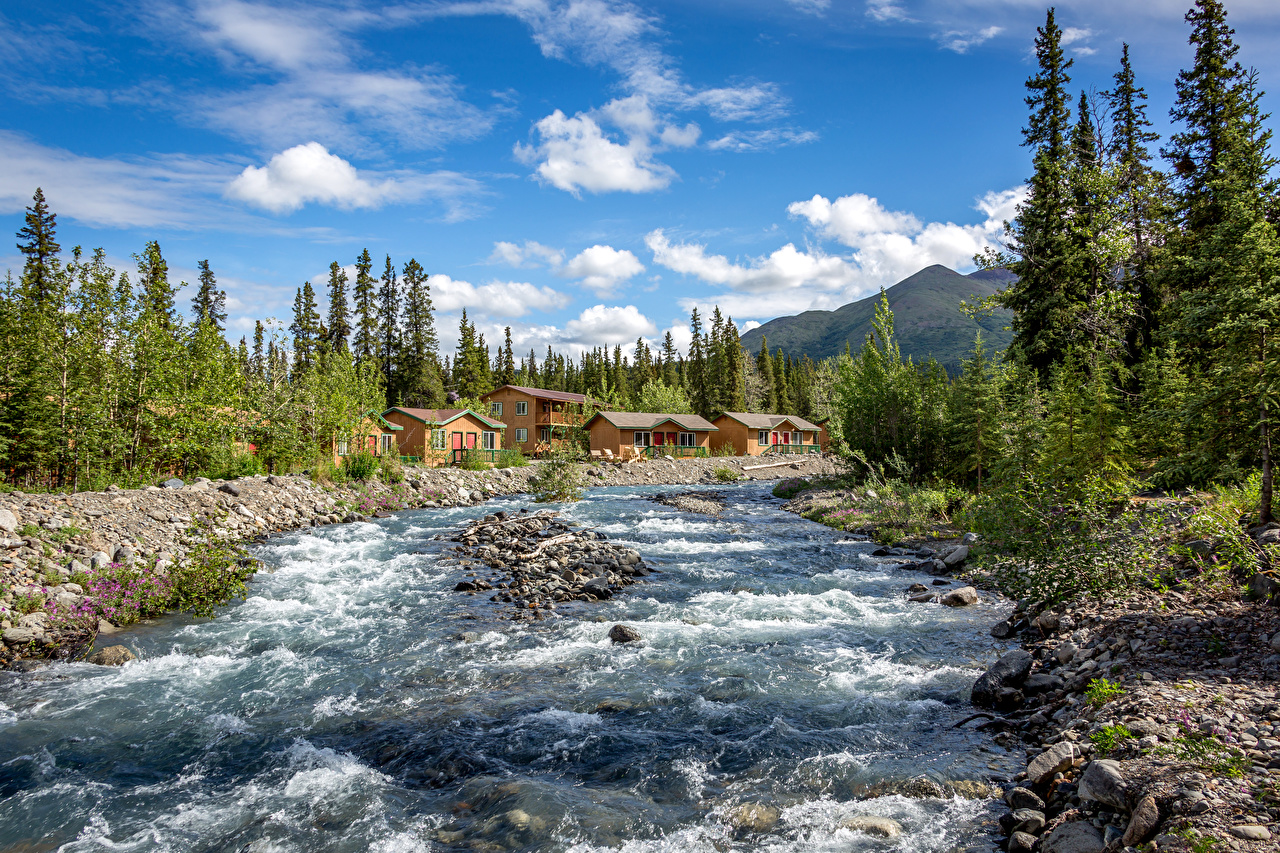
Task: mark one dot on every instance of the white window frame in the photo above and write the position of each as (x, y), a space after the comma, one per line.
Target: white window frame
(688, 439)
(797, 437)
(762, 437)
(387, 443)
(522, 408)
(544, 434)
(643, 438)
(437, 439)
(488, 440)
(522, 434)
(495, 408)
(343, 449)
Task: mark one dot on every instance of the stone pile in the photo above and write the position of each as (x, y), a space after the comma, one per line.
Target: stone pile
(536, 560)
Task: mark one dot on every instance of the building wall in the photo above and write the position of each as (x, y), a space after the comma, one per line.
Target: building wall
(744, 439)
(415, 439)
(606, 436)
(508, 397)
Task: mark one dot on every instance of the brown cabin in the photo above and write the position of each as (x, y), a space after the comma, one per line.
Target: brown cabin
(373, 434)
(824, 435)
(435, 437)
(629, 434)
(751, 434)
(537, 419)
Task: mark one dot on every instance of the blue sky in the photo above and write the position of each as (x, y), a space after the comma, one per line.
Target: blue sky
(583, 171)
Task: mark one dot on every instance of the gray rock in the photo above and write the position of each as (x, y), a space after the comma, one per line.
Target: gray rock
(122, 554)
(1065, 652)
(1002, 630)
(957, 556)
(1055, 759)
(1010, 671)
(230, 489)
(1022, 798)
(1042, 682)
(19, 636)
(105, 627)
(598, 587)
(273, 480)
(476, 496)
(883, 827)
(1103, 782)
(969, 539)
(8, 521)
(1029, 821)
(1251, 833)
(174, 483)
(99, 560)
(112, 656)
(77, 566)
(624, 634)
(1021, 842)
(1075, 837)
(1142, 823)
(962, 597)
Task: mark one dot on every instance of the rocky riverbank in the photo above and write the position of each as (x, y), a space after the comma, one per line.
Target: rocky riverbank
(536, 560)
(1149, 721)
(46, 539)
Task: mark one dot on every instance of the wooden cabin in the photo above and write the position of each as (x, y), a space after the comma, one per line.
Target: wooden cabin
(824, 435)
(751, 434)
(629, 434)
(373, 434)
(537, 419)
(435, 437)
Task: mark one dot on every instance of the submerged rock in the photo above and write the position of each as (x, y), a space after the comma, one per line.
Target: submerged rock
(112, 656)
(962, 597)
(757, 818)
(884, 827)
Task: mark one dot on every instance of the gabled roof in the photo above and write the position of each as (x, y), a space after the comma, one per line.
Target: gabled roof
(652, 420)
(755, 420)
(380, 419)
(440, 417)
(560, 396)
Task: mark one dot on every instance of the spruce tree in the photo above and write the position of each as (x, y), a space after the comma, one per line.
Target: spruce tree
(764, 364)
(670, 361)
(420, 381)
(388, 322)
(210, 303)
(507, 372)
(975, 417)
(367, 336)
(37, 240)
(305, 328)
(697, 368)
(156, 294)
(339, 325)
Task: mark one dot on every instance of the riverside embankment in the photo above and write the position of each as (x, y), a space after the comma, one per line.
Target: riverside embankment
(47, 538)
(1146, 720)
(782, 695)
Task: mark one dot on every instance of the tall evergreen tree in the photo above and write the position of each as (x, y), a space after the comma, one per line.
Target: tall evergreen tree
(210, 303)
(507, 371)
(696, 371)
(388, 322)
(421, 383)
(305, 328)
(339, 325)
(37, 240)
(764, 364)
(156, 294)
(367, 333)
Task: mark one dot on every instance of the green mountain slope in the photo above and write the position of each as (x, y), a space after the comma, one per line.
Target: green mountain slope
(926, 316)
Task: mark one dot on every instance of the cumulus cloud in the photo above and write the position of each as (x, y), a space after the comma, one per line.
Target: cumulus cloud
(886, 246)
(528, 254)
(575, 154)
(603, 268)
(600, 324)
(309, 173)
(495, 299)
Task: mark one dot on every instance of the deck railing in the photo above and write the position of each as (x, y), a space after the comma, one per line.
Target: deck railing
(461, 454)
(794, 448)
(656, 450)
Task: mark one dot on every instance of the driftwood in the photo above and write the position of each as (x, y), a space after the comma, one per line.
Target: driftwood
(973, 717)
(770, 465)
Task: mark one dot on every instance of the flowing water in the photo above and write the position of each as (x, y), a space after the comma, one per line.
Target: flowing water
(337, 708)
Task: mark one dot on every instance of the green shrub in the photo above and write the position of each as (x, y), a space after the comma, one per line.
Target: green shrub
(1101, 691)
(725, 474)
(24, 603)
(214, 573)
(227, 463)
(1208, 753)
(474, 460)
(511, 458)
(390, 471)
(360, 466)
(725, 449)
(788, 489)
(324, 471)
(31, 531)
(1108, 738)
(558, 478)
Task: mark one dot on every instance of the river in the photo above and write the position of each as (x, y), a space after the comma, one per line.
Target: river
(337, 708)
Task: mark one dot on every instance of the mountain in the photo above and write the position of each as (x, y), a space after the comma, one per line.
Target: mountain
(926, 318)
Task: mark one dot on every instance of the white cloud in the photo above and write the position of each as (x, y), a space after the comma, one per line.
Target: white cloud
(811, 7)
(495, 299)
(529, 254)
(600, 325)
(961, 40)
(885, 10)
(603, 268)
(784, 270)
(755, 101)
(575, 154)
(762, 140)
(319, 91)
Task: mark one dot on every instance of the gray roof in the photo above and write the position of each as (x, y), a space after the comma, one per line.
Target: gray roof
(651, 420)
(761, 421)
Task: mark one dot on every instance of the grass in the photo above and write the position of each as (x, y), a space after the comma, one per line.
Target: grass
(1109, 738)
(725, 474)
(1101, 691)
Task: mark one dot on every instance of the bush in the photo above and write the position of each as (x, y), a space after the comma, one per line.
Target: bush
(1101, 691)
(213, 574)
(390, 470)
(511, 459)
(558, 478)
(474, 460)
(225, 463)
(725, 449)
(1108, 738)
(324, 471)
(788, 489)
(726, 475)
(360, 466)
(123, 594)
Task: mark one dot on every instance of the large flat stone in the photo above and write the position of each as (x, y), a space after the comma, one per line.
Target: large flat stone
(1055, 759)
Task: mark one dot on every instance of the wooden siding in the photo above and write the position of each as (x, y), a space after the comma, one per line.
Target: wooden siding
(508, 397)
(606, 436)
(415, 439)
(745, 440)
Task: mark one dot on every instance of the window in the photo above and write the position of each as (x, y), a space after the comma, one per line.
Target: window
(762, 438)
(797, 437)
(643, 439)
(522, 408)
(544, 434)
(488, 440)
(342, 447)
(386, 442)
(496, 408)
(437, 439)
(522, 435)
(688, 439)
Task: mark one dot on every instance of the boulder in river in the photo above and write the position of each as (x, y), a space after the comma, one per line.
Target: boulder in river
(883, 827)
(1010, 671)
(624, 634)
(962, 597)
(112, 656)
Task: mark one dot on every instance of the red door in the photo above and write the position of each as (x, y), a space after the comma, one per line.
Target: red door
(775, 439)
(457, 440)
(671, 438)
(471, 440)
